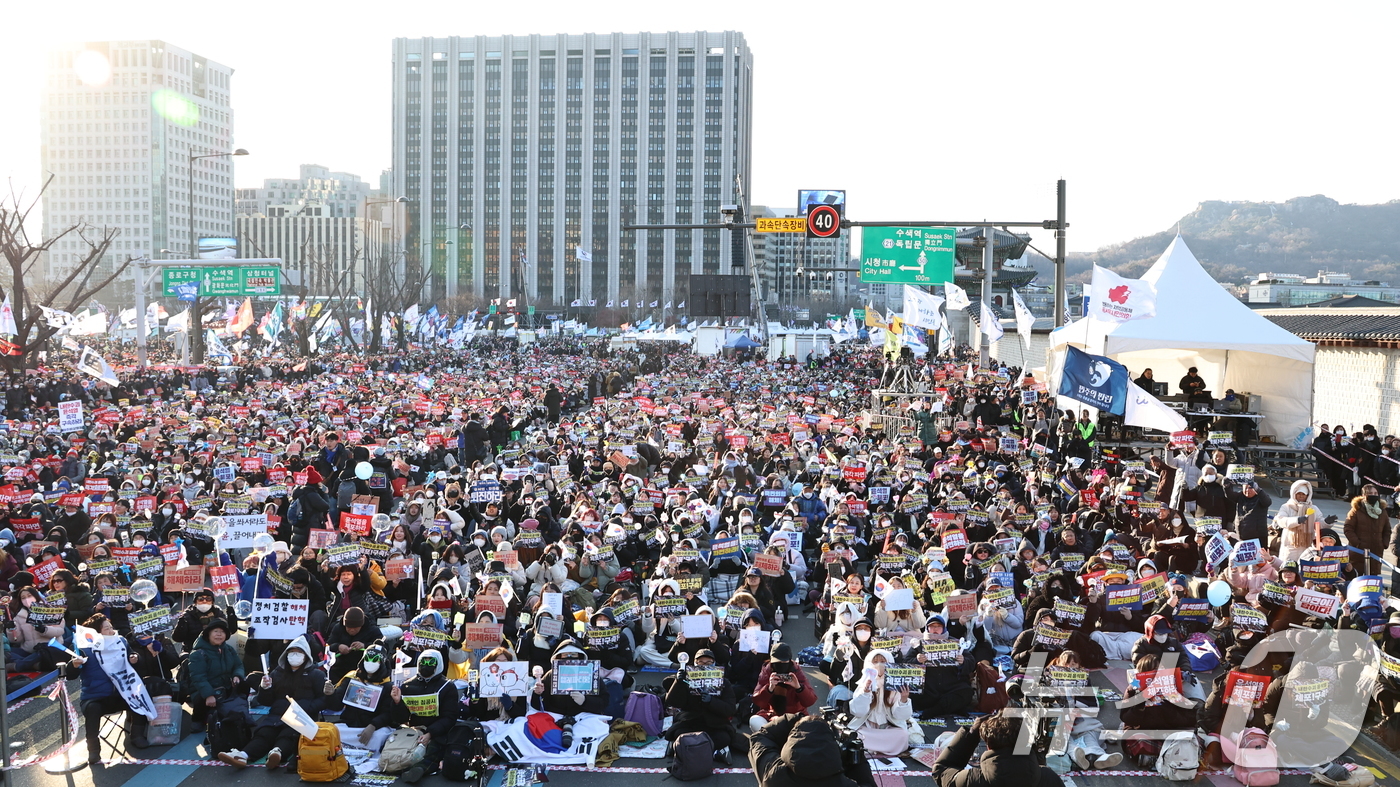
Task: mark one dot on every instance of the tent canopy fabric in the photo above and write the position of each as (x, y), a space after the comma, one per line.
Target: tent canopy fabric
(1198, 323)
(742, 342)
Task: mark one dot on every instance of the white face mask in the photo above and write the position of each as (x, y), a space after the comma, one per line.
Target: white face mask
(863, 635)
(167, 511)
(481, 542)
(139, 542)
(296, 658)
(203, 607)
(1160, 637)
(435, 539)
(371, 667)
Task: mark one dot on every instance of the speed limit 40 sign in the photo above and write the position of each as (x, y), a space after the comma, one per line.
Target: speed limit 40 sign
(823, 221)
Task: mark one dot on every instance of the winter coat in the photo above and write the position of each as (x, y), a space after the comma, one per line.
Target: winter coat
(213, 668)
(306, 686)
(1298, 536)
(997, 768)
(798, 702)
(795, 750)
(1252, 514)
(1364, 531)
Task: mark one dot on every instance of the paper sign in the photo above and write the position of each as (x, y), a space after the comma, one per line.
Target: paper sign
(1240, 473)
(363, 695)
(770, 565)
(1245, 690)
(504, 679)
(1120, 597)
(574, 675)
(240, 529)
(184, 580)
(1217, 549)
(483, 635)
(278, 618)
(697, 626)
(1247, 618)
(899, 599)
(961, 605)
(1247, 553)
(70, 416)
(421, 705)
(754, 640)
(1311, 602)
(943, 653)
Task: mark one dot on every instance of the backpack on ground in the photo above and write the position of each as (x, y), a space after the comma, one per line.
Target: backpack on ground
(464, 752)
(401, 751)
(1180, 757)
(1335, 774)
(227, 729)
(1255, 760)
(645, 709)
(321, 759)
(991, 688)
(695, 757)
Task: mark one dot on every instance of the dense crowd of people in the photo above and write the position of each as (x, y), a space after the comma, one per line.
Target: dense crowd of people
(436, 540)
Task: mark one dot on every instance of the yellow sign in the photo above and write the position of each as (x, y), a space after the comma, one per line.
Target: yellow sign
(793, 224)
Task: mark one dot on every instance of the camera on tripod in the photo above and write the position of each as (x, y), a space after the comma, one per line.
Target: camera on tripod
(853, 758)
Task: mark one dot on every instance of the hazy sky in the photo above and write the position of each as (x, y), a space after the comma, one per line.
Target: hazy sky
(921, 110)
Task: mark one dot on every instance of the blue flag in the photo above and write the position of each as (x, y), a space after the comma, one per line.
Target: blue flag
(1095, 381)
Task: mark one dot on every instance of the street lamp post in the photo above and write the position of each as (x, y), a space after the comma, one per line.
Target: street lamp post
(196, 331)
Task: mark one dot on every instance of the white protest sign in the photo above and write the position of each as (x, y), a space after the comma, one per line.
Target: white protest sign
(70, 416)
(239, 529)
(899, 599)
(278, 618)
(754, 640)
(697, 626)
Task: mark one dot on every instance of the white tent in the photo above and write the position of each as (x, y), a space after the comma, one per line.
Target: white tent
(1199, 324)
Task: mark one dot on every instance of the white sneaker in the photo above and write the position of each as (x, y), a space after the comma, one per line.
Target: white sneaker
(1081, 758)
(1108, 761)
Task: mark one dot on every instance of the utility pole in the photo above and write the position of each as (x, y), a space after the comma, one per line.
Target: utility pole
(1060, 224)
(988, 252)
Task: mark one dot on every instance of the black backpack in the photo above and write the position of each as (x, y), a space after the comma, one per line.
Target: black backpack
(464, 752)
(695, 757)
(227, 730)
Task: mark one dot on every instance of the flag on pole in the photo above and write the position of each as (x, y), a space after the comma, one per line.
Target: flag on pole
(575, 303)
(89, 362)
(243, 320)
(510, 304)
(624, 304)
(991, 325)
(592, 303)
(610, 304)
(1094, 380)
(921, 308)
(957, 296)
(7, 319)
(668, 304)
(1113, 298)
(1144, 409)
(653, 304)
(1025, 319)
(582, 255)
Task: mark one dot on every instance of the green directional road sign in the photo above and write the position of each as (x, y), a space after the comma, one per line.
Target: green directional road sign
(230, 280)
(907, 255)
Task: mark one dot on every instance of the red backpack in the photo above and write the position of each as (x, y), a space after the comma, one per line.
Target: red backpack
(991, 688)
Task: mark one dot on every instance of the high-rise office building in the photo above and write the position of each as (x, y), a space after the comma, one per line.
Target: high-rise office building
(522, 158)
(119, 121)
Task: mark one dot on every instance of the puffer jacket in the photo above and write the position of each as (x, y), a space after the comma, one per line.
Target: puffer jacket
(997, 768)
(796, 750)
(1298, 535)
(305, 685)
(1364, 531)
(213, 668)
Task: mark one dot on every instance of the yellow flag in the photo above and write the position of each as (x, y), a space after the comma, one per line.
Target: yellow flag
(873, 318)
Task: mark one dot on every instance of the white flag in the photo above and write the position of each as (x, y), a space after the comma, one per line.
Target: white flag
(92, 363)
(1144, 409)
(991, 326)
(1024, 318)
(1113, 298)
(575, 303)
(668, 304)
(653, 305)
(682, 305)
(945, 337)
(610, 304)
(624, 304)
(298, 719)
(581, 254)
(957, 296)
(7, 319)
(510, 304)
(921, 308)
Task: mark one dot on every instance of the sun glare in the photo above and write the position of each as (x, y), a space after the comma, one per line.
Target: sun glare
(93, 67)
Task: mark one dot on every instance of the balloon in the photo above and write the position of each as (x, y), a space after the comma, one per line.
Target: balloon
(243, 609)
(381, 522)
(262, 542)
(143, 590)
(216, 526)
(1219, 593)
(364, 470)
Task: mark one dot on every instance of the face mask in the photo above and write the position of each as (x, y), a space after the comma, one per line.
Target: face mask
(139, 542)
(295, 659)
(371, 666)
(1372, 499)
(1176, 522)
(426, 671)
(481, 542)
(189, 479)
(203, 607)
(863, 635)
(29, 602)
(435, 539)
(1159, 637)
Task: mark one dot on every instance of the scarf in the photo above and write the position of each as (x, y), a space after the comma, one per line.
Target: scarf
(1373, 511)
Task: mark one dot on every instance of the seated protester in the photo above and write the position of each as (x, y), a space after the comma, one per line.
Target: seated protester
(296, 678)
(1212, 714)
(196, 617)
(713, 643)
(536, 647)
(349, 637)
(948, 689)
(901, 620)
(700, 710)
(493, 708)
(29, 642)
(215, 671)
(1158, 639)
(362, 728)
(1154, 710)
(103, 584)
(660, 633)
(725, 572)
(155, 660)
(77, 596)
(796, 749)
(744, 665)
(1085, 746)
(1250, 579)
(571, 703)
(847, 660)
(883, 717)
(1282, 617)
(100, 695)
(1178, 589)
(999, 764)
(995, 628)
(1174, 546)
(1386, 693)
(433, 718)
(782, 688)
(617, 655)
(1115, 631)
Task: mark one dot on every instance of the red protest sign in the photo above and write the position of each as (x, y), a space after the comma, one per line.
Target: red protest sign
(184, 580)
(355, 524)
(70, 500)
(770, 565)
(27, 525)
(171, 554)
(224, 579)
(250, 464)
(299, 478)
(1183, 439)
(44, 571)
(144, 503)
(97, 484)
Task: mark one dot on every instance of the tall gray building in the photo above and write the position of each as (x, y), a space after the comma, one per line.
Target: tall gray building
(522, 157)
